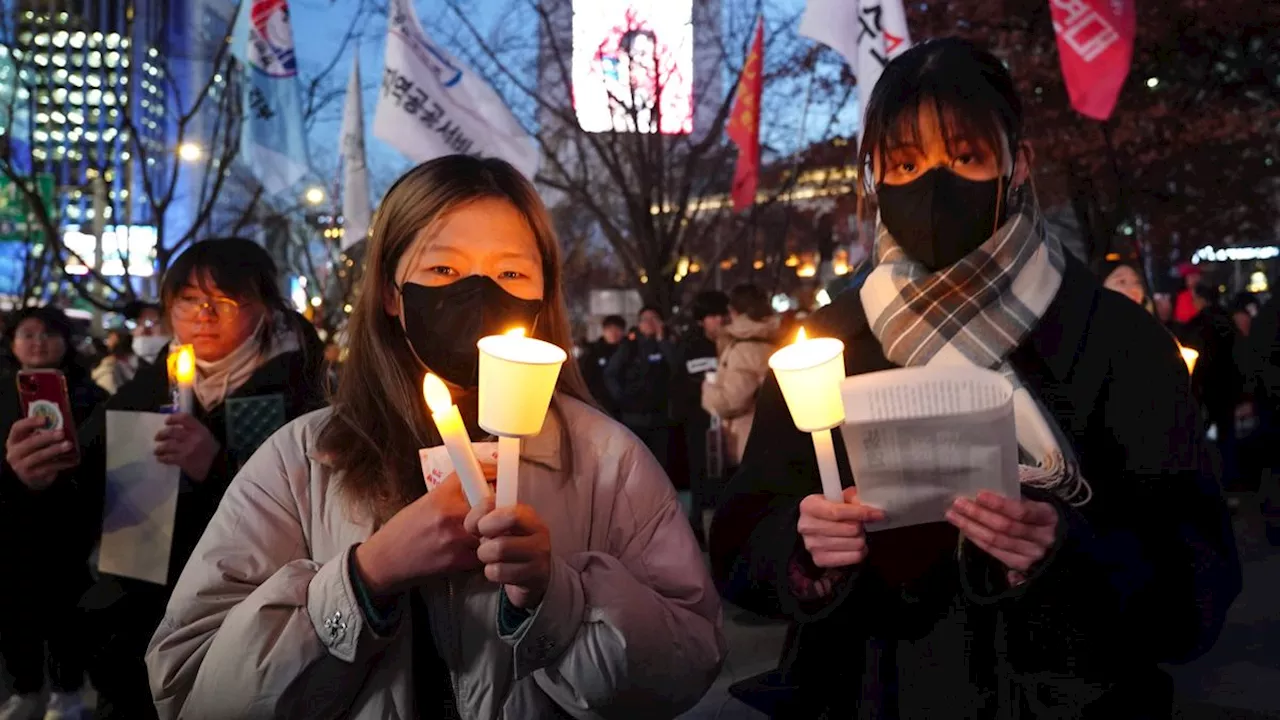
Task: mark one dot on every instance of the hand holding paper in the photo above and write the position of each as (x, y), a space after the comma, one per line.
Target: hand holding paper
(1018, 532)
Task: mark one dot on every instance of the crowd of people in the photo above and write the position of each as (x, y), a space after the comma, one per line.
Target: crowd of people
(313, 573)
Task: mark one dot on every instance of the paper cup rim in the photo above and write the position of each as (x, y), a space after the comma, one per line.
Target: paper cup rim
(828, 349)
(560, 355)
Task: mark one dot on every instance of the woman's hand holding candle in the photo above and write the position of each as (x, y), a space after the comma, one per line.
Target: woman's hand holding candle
(515, 548)
(833, 532)
(425, 539)
(188, 444)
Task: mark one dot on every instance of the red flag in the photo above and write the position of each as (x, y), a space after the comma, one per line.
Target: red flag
(1095, 45)
(744, 124)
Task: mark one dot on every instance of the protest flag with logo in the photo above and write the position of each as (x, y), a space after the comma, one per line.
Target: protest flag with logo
(430, 105)
(1095, 47)
(868, 33)
(744, 123)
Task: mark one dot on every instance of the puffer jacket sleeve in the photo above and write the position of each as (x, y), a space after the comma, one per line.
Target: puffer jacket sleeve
(255, 629)
(635, 631)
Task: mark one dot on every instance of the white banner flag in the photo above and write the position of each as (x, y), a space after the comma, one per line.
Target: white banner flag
(868, 33)
(356, 211)
(431, 105)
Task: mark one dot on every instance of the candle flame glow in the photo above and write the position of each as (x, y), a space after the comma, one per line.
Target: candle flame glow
(515, 332)
(436, 394)
(1189, 356)
(800, 336)
(185, 366)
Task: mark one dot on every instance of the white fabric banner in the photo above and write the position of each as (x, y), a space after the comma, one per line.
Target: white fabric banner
(431, 105)
(868, 33)
(356, 210)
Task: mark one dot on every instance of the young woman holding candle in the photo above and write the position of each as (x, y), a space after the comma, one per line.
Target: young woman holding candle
(257, 365)
(329, 584)
(45, 527)
(1117, 556)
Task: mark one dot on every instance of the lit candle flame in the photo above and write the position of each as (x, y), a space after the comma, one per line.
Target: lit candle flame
(184, 369)
(1189, 356)
(515, 332)
(436, 394)
(800, 336)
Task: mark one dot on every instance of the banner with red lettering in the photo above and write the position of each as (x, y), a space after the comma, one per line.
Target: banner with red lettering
(1095, 45)
(744, 124)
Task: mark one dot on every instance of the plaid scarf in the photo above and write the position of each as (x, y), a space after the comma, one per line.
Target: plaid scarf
(977, 312)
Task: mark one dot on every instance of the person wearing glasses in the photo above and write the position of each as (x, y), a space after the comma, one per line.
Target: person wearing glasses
(258, 366)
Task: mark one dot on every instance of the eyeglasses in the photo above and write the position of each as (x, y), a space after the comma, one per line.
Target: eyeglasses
(220, 308)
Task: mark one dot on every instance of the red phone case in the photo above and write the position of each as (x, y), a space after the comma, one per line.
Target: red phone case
(44, 392)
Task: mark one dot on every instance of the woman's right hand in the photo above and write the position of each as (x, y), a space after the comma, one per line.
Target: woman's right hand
(37, 455)
(833, 533)
(424, 539)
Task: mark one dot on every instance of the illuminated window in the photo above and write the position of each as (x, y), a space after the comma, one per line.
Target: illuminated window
(109, 99)
(60, 95)
(41, 136)
(59, 117)
(113, 40)
(60, 75)
(125, 155)
(42, 40)
(39, 154)
(42, 118)
(95, 96)
(76, 116)
(60, 38)
(57, 136)
(76, 80)
(77, 40)
(95, 60)
(93, 80)
(113, 59)
(42, 60)
(76, 97)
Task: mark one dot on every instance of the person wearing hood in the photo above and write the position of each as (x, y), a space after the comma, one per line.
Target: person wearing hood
(46, 527)
(1059, 599)
(258, 365)
(333, 582)
(745, 345)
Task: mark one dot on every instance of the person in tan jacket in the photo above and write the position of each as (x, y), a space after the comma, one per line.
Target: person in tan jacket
(745, 346)
(333, 583)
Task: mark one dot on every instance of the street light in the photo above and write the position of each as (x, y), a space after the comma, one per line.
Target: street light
(314, 195)
(190, 152)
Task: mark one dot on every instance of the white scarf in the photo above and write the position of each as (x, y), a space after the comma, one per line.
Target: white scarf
(218, 379)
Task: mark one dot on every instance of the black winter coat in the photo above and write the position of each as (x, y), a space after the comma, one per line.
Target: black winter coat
(47, 532)
(927, 627)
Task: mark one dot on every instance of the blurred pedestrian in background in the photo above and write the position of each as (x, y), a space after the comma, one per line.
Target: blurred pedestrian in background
(47, 528)
(745, 346)
(150, 337)
(639, 378)
(595, 358)
(1125, 279)
(120, 364)
(697, 357)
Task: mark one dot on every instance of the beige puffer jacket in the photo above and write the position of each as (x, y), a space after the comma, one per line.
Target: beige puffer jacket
(264, 623)
(745, 347)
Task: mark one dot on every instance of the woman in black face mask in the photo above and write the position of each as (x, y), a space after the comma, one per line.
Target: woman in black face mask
(333, 583)
(1116, 556)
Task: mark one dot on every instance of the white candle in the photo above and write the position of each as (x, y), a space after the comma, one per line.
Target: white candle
(517, 379)
(184, 372)
(449, 423)
(809, 374)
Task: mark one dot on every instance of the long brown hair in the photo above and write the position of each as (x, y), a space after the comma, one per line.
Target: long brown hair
(379, 418)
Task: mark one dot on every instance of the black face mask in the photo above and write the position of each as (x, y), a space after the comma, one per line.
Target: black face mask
(940, 217)
(443, 324)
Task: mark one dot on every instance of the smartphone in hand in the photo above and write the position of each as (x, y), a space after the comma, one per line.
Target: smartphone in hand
(43, 394)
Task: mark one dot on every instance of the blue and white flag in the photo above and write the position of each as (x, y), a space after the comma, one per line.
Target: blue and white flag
(273, 141)
(432, 105)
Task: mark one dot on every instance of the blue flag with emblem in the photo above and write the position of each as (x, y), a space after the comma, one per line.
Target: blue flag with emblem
(273, 141)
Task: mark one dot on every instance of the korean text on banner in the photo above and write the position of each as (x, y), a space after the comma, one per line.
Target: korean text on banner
(430, 105)
(868, 33)
(356, 210)
(273, 139)
(744, 124)
(1095, 46)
